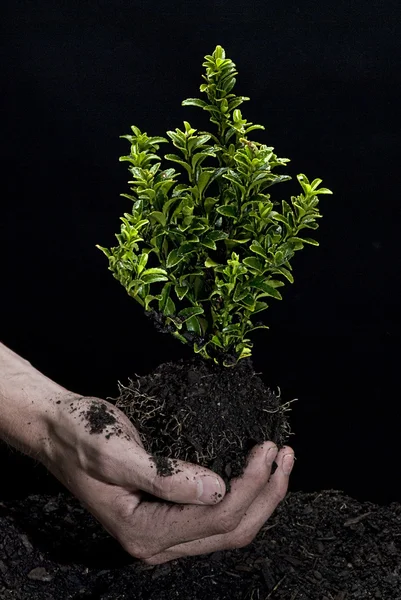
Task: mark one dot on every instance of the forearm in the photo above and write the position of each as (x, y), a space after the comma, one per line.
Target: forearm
(27, 399)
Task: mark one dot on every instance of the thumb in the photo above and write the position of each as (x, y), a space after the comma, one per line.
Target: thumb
(183, 482)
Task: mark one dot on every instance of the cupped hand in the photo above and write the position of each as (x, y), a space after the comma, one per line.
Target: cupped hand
(110, 476)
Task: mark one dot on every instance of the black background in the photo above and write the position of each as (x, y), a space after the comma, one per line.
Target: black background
(325, 81)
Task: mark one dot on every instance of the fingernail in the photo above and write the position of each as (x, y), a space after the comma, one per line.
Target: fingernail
(209, 489)
(288, 463)
(272, 450)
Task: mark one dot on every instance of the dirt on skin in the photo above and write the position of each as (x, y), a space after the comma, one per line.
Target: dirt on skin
(321, 546)
(98, 417)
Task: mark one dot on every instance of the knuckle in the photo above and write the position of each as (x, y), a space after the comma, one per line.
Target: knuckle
(151, 561)
(157, 559)
(137, 548)
(162, 487)
(140, 552)
(144, 556)
(279, 492)
(239, 540)
(123, 509)
(228, 522)
(247, 539)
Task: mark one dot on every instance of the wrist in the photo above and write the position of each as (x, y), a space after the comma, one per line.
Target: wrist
(27, 405)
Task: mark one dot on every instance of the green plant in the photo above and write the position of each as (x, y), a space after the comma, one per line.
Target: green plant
(209, 251)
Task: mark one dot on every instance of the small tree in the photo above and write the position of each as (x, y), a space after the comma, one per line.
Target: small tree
(202, 256)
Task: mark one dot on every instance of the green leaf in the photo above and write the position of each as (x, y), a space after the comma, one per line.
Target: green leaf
(164, 296)
(187, 313)
(158, 216)
(177, 136)
(240, 293)
(168, 205)
(155, 271)
(309, 223)
(279, 258)
(189, 131)
(267, 289)
(230, 242)
(287, 274)
(149, 298)
(258, 249)
(203, 181)
(191, 237)
(253, 127)
(257, 326)
(248, 301)
(322, 191)
(237, 116)
(286, 208)
(198, 159)
(200, 140)
(181, 291)
(129, 196)
(209, 242)
(227, 211)
(180, 337)
(177, 159)
(193, 324)
(173, 258)
(300, 209)
(209, 203)
(157, 140)
(218, 173)
(235, 179)
(217, 235)
(253, 263)
(275, 283)
(245, 352)
(233, 330)
(304, 181)
(259, 306)
(315, 183)
(169, 308)
(277, 217)
(210, 263)
(186, 248)
(143, 259)
(148, 277)
(194, 102)
(215, 340)
(106, 251)
(304, 240)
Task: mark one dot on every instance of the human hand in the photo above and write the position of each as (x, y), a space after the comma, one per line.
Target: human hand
(109, 475)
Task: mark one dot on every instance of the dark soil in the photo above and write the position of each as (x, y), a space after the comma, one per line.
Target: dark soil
(198, 411)
(323, 546)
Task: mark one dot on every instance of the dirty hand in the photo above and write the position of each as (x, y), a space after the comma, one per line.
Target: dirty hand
(110, 473)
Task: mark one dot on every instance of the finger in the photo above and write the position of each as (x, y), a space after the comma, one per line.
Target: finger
(246, 488)
(131, 467)
(266, 502)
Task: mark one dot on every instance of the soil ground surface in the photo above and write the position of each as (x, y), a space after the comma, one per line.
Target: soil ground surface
(322, 546)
